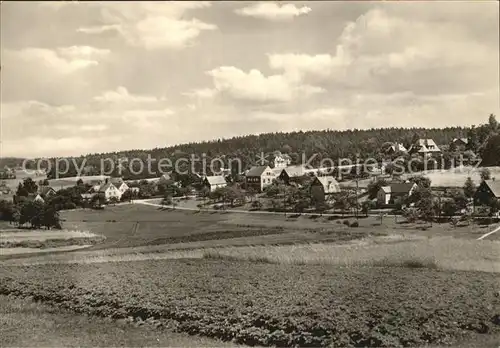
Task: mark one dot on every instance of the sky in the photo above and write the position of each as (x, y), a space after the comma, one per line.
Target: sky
(94, 77)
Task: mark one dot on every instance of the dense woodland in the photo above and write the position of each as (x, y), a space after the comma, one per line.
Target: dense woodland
(483, 140)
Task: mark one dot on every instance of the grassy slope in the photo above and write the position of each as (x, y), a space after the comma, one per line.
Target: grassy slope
(24, 323)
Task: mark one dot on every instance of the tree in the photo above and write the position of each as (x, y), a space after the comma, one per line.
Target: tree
(26, 187)
(490, 151)
(421, 181)
(50, 218)
(32, 213)
(449, 208)
(492, 122)
(374, 187)
(79, 182)
(485, 174)
(469, 188)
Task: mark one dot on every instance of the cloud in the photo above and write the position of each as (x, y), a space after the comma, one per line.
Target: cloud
(64, 60)
(255, 86)
(202, 93)
(273, 11)
(152, 25)
(121, 95)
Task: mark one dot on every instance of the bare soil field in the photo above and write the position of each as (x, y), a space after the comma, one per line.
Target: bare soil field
(275, 304)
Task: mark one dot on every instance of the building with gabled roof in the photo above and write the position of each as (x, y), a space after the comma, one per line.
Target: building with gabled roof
(424, 147)
(214, 182)
(259, 177)
(487, 191)
(323, 186)
(388, 194)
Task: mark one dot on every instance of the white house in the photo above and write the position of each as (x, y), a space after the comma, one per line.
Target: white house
(119, 184)
(424, 146)
(259, 177)
(389, 194)
(109, 191)
(281, 160)
(214, 182)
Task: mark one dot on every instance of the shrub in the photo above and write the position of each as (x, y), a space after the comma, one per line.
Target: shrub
(347, 223)
(355, 224)
(338, 222)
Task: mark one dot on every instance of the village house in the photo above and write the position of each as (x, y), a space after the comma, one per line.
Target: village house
(323, 186)
(119, 184)
(108, 191)
(281, 160)
(424, 147)
(460, 143)
(214, 182)
(395, 148)
(259, 177)
(388, 194)
(486, 192)
(292, 173)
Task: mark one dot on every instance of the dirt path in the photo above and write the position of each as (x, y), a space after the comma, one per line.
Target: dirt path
(489, 233)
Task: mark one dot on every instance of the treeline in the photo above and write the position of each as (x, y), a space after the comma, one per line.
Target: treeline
(329, 144)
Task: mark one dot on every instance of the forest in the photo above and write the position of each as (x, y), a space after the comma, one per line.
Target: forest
(332, 144)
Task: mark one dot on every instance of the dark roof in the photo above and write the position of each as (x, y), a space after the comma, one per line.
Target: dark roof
(257, 171)
(494, 186)
(116, 181)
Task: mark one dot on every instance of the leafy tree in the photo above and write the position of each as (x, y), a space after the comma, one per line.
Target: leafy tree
(421, 181)
(490, 151)
(485, 174)
(449, 208)
(31, 212)
(469, 188)
(50, 218)
(375, 186)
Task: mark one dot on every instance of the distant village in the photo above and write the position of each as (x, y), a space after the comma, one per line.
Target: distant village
(279, 185)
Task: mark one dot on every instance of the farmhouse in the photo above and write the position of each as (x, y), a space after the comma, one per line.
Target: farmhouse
(214, 182)
(323, 186)
(119, 184)
(389, 194)
(487, 191)
(395, 148)
(259, 177)
(460, 143)
(424, 147)
(292, 173)
(281, 160)
(109, 191)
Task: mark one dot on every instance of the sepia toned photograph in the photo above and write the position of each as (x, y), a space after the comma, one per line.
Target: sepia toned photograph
(250, 174)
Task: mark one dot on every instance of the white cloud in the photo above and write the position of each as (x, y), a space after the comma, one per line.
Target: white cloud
(65, 60)
(121, 95)
(255, 86)
(273, 11)
(202, 93)
(152, 25)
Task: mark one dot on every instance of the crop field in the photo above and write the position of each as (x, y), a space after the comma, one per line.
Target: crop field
(79, 330)
(274, 304)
